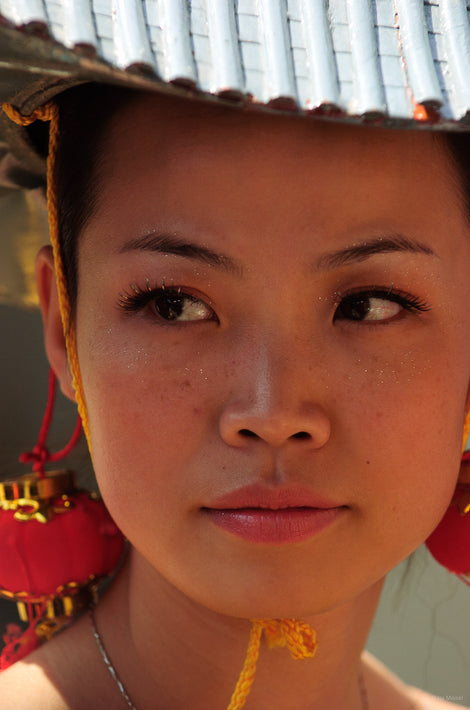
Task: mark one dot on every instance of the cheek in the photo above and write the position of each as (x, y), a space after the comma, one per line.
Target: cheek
(150, 406)
(148, 413)
(402, 422)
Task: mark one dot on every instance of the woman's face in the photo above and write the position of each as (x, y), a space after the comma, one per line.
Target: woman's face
(273, 313)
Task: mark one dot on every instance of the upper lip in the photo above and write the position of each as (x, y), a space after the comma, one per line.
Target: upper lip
(271, 498)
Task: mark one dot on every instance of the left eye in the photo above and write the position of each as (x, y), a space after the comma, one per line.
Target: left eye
(370, 307)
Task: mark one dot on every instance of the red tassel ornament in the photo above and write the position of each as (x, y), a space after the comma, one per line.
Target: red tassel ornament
(449, 544)
(57, 543)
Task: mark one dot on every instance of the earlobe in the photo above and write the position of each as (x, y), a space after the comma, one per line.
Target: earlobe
(54, 339)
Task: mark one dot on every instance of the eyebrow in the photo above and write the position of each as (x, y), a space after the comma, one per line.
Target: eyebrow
(173, 244)
(366, 249)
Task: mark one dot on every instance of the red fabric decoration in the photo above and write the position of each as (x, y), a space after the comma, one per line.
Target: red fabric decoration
(38, 558)
(449, 544)
(57, 543)
(18, 648)
(12, 633)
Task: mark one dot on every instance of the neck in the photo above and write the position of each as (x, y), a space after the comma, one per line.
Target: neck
(167, 646)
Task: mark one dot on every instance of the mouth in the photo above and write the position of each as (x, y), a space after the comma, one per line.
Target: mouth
(274, 516)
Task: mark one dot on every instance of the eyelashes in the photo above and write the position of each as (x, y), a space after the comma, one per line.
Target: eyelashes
(377, 305)
(173, 304)
(167, 304)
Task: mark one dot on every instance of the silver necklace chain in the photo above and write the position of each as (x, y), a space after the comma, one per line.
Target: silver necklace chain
(106, 659)
(125, 694)
(363, 691)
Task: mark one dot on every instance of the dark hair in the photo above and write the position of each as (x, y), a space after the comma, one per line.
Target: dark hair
(85, 114)
(458, 146)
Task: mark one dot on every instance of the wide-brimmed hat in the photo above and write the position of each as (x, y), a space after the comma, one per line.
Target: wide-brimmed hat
(404, 63)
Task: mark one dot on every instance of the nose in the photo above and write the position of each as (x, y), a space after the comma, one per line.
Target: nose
(276, 400)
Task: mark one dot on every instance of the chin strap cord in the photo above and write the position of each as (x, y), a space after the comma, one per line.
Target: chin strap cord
(50, 112)
(298, 636)
(466, 429)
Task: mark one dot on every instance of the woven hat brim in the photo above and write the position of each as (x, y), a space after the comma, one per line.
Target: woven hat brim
(404, 63)
(359, 59)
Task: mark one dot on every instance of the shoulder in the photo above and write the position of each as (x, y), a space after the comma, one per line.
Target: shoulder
(51, 677)
(25, 685)
(388, 692)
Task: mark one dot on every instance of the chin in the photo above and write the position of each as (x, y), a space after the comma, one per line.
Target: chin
(273, 601)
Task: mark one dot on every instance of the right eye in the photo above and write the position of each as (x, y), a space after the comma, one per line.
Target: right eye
(168, 304)
(174, 305)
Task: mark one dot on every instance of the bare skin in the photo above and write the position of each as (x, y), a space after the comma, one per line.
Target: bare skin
(47, 684)
(271, 380)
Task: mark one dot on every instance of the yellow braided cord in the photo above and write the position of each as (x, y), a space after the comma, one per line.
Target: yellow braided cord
(43, 113)
(50, 112)
(298, 636)
(245, 681)
(466, 429)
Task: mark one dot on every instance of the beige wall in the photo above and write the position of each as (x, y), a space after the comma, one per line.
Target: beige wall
(422, 629)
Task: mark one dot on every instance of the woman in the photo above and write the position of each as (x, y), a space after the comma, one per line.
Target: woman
(268, 324)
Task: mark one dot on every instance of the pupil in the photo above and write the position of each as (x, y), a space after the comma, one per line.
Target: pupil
(169, 305)
(356, 308)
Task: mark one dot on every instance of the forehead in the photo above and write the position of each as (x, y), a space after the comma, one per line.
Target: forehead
(181, 150)
(159, 126)
(190, 122)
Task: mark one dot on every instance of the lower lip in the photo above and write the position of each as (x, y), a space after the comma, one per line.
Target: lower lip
(274, 527)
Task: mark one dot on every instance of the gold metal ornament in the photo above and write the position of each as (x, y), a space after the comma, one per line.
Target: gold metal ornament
(30, 495)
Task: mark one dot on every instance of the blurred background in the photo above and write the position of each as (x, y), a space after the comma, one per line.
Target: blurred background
(422, 629)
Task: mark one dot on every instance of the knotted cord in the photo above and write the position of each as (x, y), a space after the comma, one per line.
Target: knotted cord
(298, 636)
(40, 454)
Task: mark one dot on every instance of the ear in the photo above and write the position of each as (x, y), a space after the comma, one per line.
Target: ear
(54, 339)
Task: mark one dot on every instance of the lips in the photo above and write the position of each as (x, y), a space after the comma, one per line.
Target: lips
(275, 516)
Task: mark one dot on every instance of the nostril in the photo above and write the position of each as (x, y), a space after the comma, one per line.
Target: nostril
(301, 435)
(248, 433)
